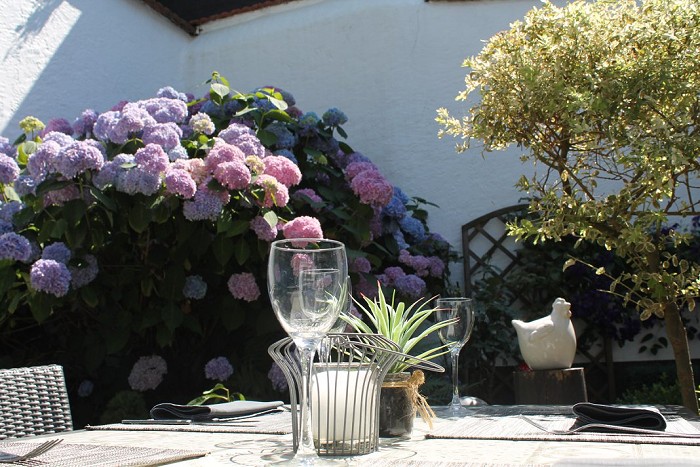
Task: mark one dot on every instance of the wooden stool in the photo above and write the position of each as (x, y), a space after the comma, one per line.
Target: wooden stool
(554, 387)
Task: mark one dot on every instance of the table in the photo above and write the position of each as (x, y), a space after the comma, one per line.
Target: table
(245, 449)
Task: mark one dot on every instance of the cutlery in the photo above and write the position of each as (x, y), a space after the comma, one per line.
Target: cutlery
(39, 450)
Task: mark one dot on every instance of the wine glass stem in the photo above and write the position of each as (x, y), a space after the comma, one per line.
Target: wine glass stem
(306, 446)
(454, 353)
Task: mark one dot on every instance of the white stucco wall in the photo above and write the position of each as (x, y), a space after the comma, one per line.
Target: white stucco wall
(388, 64)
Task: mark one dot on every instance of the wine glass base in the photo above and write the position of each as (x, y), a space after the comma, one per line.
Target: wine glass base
(310, 461)
(452, 411)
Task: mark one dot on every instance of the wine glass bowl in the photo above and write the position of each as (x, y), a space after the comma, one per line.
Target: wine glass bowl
(460, 311)
(306, 279)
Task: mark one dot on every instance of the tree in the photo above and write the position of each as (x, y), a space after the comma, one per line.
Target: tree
(604, 99)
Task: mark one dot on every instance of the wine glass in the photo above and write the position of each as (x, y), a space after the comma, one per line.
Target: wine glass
(305, 281)
(461, 311)
(339, 325)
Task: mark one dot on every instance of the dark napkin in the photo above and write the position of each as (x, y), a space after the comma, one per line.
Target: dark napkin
(168, 411)
(647, 418)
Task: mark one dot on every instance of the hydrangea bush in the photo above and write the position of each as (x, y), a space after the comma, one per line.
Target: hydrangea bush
(133, 242)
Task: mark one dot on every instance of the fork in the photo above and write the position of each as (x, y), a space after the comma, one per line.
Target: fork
(37, 451)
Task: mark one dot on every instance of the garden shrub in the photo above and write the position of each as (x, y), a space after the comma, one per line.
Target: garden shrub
(133, 242)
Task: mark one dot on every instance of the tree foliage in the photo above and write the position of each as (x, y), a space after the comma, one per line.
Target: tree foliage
(604, 99)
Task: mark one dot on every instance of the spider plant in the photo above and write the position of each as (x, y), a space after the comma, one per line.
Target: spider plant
(398, 322)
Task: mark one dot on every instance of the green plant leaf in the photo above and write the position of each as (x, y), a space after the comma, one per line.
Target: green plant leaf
(139, 217)
(222, 247)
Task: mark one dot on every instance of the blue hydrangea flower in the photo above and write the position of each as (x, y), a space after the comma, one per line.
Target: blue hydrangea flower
(9, 209)
(218, 369)
(204, 206)
(57, 251)
(413, 227)
(411, 286)
(285, 138)
(334, 117)
(178, 152)
(138, 180)
(396, 208)
(25, 185)
(83, 125)
(14, 247)
(195, 287)
(50, 277)
(308, 123)
(6, 147)
(172, 93)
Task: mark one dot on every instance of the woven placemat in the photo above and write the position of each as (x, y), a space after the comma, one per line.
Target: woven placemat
(499, 422)
(273, 424)
(85, 455)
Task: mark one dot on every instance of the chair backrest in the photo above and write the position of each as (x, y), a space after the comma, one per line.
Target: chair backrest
(33, 401)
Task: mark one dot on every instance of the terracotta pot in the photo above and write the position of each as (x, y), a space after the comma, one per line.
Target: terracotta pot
(396, 406)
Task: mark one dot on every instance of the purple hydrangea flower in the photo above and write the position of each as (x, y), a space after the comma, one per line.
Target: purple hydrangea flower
(164, 109)
(180, 182)
(206, 205)
(303, 227)
(138, 180)
(311, 195)
(83, 125)
(172, 93)
(360, 265)
(77, 158)
(25, 185)
(60, 125)
(57, 251)
(147, 373)
(263, 229)
(411, 286)
(61, 196)
(14, 247)
(243, 287)
(49, 276)
(178, 152)
(6, 147)
(9, 170)
(85, 272)
(244, 138)
(334, 117)
(194, 288)
(40, 163)
(166, 135)
(201, 123)
(152, 158)
(218, 369)
(130, 121)
(104, 124)
(6, 227)
(285, 171)
(111, 170)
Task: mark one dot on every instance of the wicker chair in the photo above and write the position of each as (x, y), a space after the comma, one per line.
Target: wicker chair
(33, 401)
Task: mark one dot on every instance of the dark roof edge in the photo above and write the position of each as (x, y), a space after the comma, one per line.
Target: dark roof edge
(237, 11)
(189, 28)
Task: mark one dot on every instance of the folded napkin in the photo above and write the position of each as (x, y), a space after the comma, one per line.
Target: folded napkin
(614, 416)
(168, 411)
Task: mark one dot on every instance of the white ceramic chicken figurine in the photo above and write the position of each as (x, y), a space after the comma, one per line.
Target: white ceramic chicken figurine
(548, 343)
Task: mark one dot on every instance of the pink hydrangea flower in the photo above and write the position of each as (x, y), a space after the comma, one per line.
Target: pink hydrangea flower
(276, 194)
(243, 287)
(221, 153)
(372, 188)
(354, 168)
(195, 167)
(234, 175)
(303, 227)
(152, 158)
(180, 182)
(285, 171)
